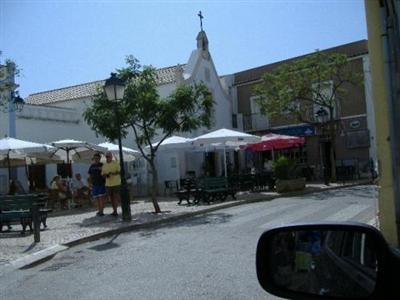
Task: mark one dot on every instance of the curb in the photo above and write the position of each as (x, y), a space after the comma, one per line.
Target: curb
(37, 257)
(41, 256)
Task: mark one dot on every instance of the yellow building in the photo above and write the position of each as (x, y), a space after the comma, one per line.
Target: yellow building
(384, 48)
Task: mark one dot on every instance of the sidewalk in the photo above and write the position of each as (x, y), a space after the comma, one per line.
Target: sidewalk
(77, 226)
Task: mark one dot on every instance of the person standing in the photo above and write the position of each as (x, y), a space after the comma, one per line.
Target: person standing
(97, 183)
(111, 171)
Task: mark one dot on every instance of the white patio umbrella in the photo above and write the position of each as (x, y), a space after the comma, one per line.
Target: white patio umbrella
(68, 146)
(226, 137)
(65, 147)
(10, 147)
(174, 142)
(30, 158)
(129, 154)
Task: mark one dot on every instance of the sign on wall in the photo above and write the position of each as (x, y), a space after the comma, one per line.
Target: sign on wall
(302, 130)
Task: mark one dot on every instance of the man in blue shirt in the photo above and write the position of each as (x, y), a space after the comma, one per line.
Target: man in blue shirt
(97, 182)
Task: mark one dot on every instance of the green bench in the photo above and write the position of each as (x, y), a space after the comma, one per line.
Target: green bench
(24, 209)
(215, 189)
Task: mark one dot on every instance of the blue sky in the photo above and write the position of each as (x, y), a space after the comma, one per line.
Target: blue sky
(62, 43)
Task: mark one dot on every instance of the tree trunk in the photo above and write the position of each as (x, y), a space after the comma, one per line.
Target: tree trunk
(332, 156)
(154, 188)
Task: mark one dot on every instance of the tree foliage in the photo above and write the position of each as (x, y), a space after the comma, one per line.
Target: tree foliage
(150, 116)
(297, 89)
(294, 88)
(6, 86)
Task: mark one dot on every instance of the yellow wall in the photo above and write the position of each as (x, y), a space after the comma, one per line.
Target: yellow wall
(386, 195)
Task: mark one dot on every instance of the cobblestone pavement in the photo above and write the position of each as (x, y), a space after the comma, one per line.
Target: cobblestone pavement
(79, 223)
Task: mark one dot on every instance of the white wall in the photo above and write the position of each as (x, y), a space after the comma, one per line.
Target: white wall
(194, 162)
(205, 72)
(168, 165)
(166, 89)
(3, 124)
(46, 124)
(370, 108)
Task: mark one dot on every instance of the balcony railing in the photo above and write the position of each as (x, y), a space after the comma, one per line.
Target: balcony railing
(254, 122)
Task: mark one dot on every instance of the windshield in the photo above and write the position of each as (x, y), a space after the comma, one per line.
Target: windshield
(170, 134)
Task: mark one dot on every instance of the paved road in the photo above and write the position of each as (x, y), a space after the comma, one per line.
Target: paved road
(208, 257)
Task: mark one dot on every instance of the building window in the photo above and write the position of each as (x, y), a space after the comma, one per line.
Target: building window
(234, 121)
(257, 120)
(173, 162)
(207, 75)
(322, 93)
(293, 106)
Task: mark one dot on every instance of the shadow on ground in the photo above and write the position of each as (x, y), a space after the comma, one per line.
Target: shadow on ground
(16, 232)
(106, 246)
(211, 218)
(358, 191)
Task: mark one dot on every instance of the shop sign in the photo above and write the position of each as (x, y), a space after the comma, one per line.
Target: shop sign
(302, 130)
(355, 124)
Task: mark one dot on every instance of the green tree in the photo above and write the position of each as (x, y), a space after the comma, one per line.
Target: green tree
(149, 116)
(6, 87)
(296, 90)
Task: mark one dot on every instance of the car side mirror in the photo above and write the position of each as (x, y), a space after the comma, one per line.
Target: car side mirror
(325, 261)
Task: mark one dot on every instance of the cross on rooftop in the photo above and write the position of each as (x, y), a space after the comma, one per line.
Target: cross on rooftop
(201, 20)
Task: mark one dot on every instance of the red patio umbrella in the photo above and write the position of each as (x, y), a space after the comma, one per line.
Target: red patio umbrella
(274, 141)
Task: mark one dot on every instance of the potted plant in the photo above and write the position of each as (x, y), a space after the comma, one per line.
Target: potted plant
(288, 175)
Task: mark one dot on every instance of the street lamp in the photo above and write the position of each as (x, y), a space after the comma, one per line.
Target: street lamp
(114, 88)
(19, 103)
(322, 117)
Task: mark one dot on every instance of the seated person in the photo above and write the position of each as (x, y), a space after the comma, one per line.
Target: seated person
(268, 165)
(58, 185)
(79, 189)
(12, 188)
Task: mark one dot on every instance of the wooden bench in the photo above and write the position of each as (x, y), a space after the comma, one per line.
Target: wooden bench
(247, 182)
(188, 189)
(170, 186)
(215, 189)
(23, 209)
(41, 201)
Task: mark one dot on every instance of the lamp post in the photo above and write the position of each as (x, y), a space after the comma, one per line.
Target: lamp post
(322, 117)
(16, 103)
(114, 89)
(19, 103)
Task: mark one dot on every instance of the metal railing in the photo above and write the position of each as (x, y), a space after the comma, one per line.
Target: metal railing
(253, 122)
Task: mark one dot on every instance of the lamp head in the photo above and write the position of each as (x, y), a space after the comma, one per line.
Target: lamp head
(114, 88)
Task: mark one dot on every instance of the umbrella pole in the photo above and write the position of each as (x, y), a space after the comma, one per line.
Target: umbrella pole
(69, 173)
(26, 168)
(226, 173)
(273, 154)
(178, 168)
(68, 166)
(9, 167)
